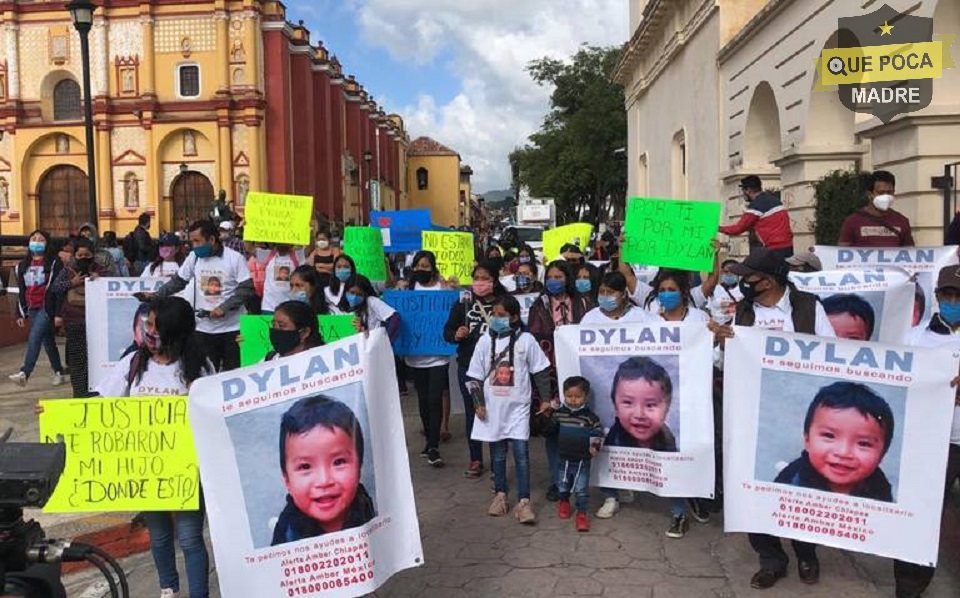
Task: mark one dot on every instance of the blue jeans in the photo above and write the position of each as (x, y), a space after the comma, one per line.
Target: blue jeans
(521, 460)
(189, 530)
(678, 506)
(476, 447)
(41, 333)
(574, 478)
(553, 457)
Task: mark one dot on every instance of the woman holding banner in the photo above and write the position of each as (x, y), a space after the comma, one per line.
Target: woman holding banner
(167, 363)
(306, 287)
(345, 276)
(295, 329)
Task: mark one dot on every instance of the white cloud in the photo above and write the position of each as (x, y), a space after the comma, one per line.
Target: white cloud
(491, 42)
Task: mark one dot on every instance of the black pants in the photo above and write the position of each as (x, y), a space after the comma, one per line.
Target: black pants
(913, 579)
(221, 349)
(76, 350)
(783, 252)
(430, 384)
(772, 555)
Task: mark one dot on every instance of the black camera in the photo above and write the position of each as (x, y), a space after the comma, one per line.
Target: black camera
(202, 313)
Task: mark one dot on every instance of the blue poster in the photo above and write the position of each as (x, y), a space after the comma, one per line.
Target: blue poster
(422, 317)
(405, 228)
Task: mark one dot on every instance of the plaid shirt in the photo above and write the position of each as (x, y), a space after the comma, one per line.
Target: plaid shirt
(235, 243)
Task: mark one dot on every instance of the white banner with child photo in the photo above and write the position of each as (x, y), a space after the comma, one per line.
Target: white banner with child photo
(305, 474)
(837, 442)
(651, 387)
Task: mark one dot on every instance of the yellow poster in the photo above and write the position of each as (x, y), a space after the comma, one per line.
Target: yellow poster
(129, 454)
(577, 233)
(275, 218)
(454, 253)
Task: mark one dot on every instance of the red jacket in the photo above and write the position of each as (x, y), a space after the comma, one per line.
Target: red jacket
(768, 218)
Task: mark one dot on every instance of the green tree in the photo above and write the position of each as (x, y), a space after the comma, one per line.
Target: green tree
(838, 194)
(573, 158)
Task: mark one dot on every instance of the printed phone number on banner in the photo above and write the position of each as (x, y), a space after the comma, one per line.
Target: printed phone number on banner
(327, 572)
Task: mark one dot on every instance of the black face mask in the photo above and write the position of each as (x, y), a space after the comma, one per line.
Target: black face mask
(422, 276)
(749, 289)
(496, 262)
(284, 341)
(84, 263)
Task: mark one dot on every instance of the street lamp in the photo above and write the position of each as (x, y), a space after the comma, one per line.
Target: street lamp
(81, 11)
(367, 159)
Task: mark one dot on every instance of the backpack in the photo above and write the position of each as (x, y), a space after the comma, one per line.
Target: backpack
(130, 247)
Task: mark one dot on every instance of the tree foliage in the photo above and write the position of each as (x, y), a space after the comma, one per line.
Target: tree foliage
(573, 158)
(838, 194)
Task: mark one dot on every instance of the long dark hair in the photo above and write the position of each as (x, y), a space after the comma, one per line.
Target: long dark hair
(303, 316)
(309, 275)
(431, 258)
(176, 324)
(498, 290)
(335, 282)
(48, 251)
(681, 277)
(564, 267)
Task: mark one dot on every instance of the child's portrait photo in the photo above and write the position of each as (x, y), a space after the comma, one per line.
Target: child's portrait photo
(855, 316)
(212, 286)
(282, 273)
(502, 375)
(635, 400)
(315, 475)
(830, 435)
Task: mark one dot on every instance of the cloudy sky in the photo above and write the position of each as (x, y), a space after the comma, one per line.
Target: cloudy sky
(454, 69)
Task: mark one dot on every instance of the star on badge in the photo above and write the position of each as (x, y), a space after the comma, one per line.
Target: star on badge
(886, 29)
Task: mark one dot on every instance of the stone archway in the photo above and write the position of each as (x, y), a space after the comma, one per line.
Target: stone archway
(191, 196)
(762, 133)
(62, 195)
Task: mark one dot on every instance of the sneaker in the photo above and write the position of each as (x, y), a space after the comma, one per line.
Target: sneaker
(582, 521)
(474, 470)
(434, 459)
(563, 508)
(609, 508)
(20, 379)
(698, 510)
(553, 494)
(524, 512)
(678, 527)
(627, 496)
(58, 379)
(498, 505)
(168, 593)
(424, 453)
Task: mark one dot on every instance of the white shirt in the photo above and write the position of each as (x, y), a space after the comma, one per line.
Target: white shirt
(167, 270)
(276, 282)
(507, 393)
(634, 314)
(722, 304)
(422, 362)
(922, 336)
(378, 312)
(780, 317)
(216, 278)
(158, 380)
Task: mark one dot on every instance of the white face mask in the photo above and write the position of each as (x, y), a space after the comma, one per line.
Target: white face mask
(883, 202)
(323, 244)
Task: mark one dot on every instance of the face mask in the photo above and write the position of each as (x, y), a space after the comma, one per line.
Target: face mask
(524, 259)
(422, 276)
(499, 325)
(150, 341)
(354, 301)
(669, 300)
(203, 251)
(300, 296)
(522, 281)
(883, 202)
(166, 252)
(37, 246)
(284, 341)
(584, 285)
(608, 303)
(950, 312)
(496, 263)
(323, 244)
(729, 280)
(342, 274)
(555, 287)
(482, 288)
(84, 263)
(749, 290)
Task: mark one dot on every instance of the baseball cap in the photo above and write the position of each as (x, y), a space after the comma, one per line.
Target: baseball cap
(169, 239)
(763, 262)
(807, 258)
(949, 278)
(226, 225)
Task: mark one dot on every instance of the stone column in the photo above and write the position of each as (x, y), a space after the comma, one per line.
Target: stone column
(12, 37)
(225, 154)
(222, 20)
(251, 45)
(100, 69)
(147, 77)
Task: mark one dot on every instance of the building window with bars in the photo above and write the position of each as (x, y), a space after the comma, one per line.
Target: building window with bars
(188, 81)
(67, 104)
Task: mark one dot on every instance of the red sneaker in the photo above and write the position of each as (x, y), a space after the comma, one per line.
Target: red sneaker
(563, 508)
(583, 522)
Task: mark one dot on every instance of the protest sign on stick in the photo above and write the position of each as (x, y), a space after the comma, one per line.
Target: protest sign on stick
(255, 334)
(365, 245)
(801, 403)
(256, 426)
(670, 452)
(404, 227)
(127, 454)
(276, 218)
(671, 233)
(553, 239)
(455, 254)
(422, 317)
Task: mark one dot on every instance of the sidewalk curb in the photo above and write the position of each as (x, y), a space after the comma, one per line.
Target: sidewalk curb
(119, 540)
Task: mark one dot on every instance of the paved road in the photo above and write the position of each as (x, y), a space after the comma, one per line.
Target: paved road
(469, 554)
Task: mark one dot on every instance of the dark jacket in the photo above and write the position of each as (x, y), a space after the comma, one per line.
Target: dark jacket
(804, 308)
(62, 288)
(540, 321)
(52, 266)
(293, 525)
(573, 430)
(663, 442)
(471, 315)
(801, 473)
(145, 245)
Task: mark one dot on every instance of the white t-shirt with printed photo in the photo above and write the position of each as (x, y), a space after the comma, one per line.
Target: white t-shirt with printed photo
(506, 392)
(722, 302)
(217, 278)
(276, 282)
(158, 380)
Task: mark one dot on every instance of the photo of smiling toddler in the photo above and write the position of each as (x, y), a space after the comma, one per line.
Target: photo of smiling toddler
(642, 393)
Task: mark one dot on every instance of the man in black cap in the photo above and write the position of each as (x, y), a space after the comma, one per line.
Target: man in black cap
(765, 216)
(770, 301)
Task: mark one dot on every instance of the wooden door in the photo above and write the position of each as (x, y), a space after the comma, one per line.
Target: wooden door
(192, 198)
(63, 198)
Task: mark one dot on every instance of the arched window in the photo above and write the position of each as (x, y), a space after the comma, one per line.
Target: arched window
(423, 180)
(66, 101)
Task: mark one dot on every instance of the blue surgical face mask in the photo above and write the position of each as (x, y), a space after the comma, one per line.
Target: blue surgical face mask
(584, 285)
(342, 274)
(555, 287)
(300, 296)
(522, 281)
(355, 300)
(524, 259)
(202, 251)
(950, 312)
(608, 303)
(669, 300)
(499, 324)
(37, 246)
(729, 280)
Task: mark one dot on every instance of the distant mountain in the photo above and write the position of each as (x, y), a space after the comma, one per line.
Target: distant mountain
(493, 199)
